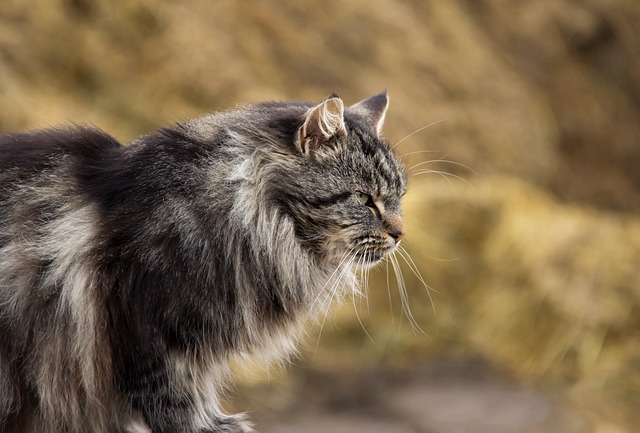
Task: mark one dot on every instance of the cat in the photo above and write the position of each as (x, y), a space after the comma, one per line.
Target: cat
(130, 276)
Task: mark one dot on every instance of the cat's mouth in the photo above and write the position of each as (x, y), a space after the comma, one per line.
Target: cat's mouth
(368, 258)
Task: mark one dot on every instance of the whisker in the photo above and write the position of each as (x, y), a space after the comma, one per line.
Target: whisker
(355, 308)
(418, 151)
(386, 267)
(404, 297)
(401, 289)
(340, 267)
(361, 276)
(367, 273)
(363, 279)
(368, 276)
(437, 259)
(444, 174)
(331, 295)
(414, 268)
(411, 135)
(416, 131)
(364, 328)
(441, 160)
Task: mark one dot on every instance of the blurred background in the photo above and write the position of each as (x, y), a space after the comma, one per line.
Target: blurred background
(523, 213)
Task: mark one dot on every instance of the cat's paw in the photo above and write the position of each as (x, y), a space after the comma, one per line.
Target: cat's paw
(232, 424)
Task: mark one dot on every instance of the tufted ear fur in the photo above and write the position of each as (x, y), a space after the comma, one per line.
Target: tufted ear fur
(322, 122)
(372, 110)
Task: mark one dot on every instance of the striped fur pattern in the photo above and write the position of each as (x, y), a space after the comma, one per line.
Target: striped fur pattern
(130, 276)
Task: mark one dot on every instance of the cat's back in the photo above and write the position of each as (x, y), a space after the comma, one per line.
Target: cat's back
(40, 170)
(26, 154)
(40, 174)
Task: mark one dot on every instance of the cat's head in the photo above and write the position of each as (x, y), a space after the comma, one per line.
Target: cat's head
(344, 195)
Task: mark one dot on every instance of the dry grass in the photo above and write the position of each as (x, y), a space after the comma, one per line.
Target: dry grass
(535, 262)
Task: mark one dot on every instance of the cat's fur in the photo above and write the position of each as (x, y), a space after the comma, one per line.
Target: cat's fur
(131, 275)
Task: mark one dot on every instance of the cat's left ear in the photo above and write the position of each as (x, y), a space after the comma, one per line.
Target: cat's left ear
(372, 110)
(322, 123)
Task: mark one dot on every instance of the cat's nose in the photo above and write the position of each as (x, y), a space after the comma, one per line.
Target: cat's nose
(395, 228)
(397, 235)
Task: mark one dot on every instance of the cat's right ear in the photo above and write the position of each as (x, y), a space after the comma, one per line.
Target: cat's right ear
(321, 123)
(372, 110)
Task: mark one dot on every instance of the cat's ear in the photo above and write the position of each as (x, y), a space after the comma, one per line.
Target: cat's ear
(372, 110)
(321, 123)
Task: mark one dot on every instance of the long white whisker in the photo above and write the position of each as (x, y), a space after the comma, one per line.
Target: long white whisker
(405, 297)
(363, 281)
(366, 287)
(367, 273)
(355, 308)
(401, 293)
(444, 174)
(331, 295)
(416, 131)
(437, 259)
(386, 266)
(414, 268)
(322, 291)
(418, 151)
(441, 160)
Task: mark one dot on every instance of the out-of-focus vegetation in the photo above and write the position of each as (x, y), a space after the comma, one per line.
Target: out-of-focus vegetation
(534, 246)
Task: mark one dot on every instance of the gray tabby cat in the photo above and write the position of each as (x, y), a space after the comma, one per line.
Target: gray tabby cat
(131, 275)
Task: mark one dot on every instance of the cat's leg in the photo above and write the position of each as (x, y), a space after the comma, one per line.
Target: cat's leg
(9, 400)
(173, 412)
(230, 424)
(177, 399)
(171, 389)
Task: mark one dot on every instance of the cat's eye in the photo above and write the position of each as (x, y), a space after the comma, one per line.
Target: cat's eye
(365, 199)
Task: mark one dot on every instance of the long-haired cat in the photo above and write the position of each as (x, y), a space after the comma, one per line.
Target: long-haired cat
(131, 275)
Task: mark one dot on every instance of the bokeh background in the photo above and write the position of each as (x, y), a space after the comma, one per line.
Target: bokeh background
(523, 210)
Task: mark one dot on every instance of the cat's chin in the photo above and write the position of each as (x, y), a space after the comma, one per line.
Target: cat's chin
(369, 259)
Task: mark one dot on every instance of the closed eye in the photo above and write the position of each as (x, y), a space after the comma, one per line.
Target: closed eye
(367, 200)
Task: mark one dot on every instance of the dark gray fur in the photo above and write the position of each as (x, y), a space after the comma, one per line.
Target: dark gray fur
(130, 276)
